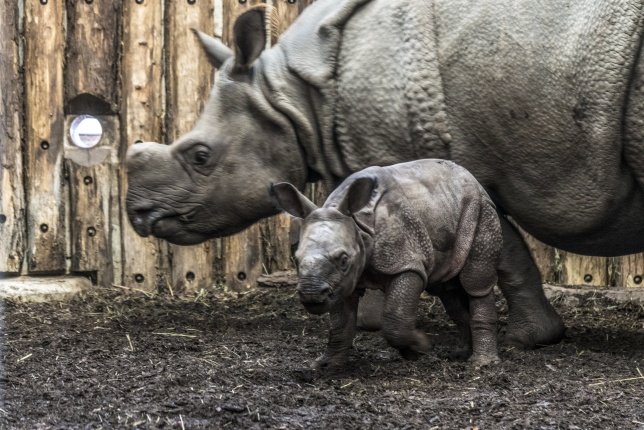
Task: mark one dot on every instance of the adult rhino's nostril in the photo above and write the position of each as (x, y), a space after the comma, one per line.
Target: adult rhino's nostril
(143, 221)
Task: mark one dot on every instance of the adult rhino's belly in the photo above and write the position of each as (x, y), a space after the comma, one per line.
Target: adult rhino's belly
(570, 212)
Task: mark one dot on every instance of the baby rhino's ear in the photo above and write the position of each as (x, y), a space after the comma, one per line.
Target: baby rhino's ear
(289, 199)
(357, 196)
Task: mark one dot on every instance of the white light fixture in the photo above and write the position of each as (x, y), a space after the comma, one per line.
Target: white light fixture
(86, 131)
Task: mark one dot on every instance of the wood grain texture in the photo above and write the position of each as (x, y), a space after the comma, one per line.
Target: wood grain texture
(93, 47)
(243, 253)
(91, 69)
(46, 190)
(630, 271)
(92, 214)
(189, 80)
(12, 202)
(584, 270)
(145, 263)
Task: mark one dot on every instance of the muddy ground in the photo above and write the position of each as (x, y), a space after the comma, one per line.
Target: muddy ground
(117, 359)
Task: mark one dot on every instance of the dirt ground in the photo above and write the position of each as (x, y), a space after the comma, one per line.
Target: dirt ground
(117, 359)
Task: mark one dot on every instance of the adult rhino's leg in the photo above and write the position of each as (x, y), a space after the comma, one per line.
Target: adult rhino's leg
(457, 305)
(533, 321)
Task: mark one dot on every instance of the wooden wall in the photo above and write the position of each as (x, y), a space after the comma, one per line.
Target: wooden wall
(136, 66)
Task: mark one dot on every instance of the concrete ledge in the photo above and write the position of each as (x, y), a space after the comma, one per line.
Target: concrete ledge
(42, 289)
(573, 294)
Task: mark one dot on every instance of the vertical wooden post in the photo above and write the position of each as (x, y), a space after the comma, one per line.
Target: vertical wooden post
(584, 270)
(144, 259)
(630, 271)
(93, 48)
(12, 203)
(243, 253)
(189, 80)
(46, 192)
(275, 230)
(94, 214)
(90, 88)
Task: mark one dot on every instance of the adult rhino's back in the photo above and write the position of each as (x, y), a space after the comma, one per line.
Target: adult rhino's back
(532, 97)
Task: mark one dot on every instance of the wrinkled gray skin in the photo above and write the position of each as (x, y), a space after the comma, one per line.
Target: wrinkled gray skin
(401, 229)
(542, 101)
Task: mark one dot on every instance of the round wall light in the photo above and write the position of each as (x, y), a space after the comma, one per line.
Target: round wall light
(86, 131)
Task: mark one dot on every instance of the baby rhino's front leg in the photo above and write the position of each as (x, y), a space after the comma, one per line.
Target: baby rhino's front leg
(341, 334)
(399, 316)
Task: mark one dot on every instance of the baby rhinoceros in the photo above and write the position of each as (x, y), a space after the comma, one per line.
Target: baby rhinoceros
(424, 225)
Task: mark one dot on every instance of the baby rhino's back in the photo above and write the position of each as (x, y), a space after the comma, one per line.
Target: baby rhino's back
(438, 203)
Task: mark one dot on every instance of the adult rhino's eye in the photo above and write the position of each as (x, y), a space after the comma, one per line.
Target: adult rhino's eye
(344, 262)
(201, 157)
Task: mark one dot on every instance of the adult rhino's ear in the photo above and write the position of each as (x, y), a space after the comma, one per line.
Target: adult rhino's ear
(216, 51)
(289, 199)
(357, 196)
(252, 30)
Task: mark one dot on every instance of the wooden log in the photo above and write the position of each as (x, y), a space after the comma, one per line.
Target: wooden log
(189, 79)
(144, 259)
(92, 56)
(46, 190)
(12, 203)
(584, 270)
(92, 174)
(90, 88)
(243, 253)
(630, 271)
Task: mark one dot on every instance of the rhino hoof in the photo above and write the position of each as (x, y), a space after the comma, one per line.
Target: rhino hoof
(307, 375)
(478, 361)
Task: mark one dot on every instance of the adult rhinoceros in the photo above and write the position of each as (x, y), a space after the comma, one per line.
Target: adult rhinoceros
(541, 101)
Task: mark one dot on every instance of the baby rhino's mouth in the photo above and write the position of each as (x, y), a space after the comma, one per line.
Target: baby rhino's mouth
(315, 296)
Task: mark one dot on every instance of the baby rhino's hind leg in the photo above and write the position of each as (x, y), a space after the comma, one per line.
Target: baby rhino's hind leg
(478, 278)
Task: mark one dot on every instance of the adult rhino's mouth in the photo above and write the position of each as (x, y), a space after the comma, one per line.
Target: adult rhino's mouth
(178, 228)
(173, 227)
